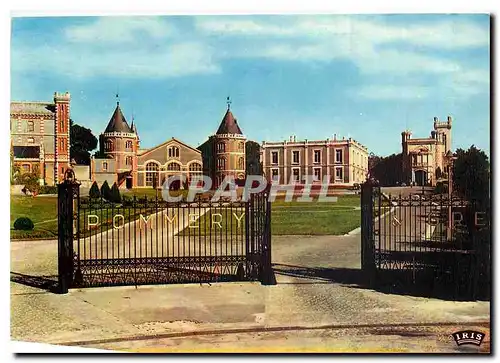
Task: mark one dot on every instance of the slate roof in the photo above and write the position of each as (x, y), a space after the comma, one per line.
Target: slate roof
(26, 152)
(39, 108)
(229, 125)
(118, 123)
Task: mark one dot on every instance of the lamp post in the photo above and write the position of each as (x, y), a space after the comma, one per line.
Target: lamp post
(451, 158)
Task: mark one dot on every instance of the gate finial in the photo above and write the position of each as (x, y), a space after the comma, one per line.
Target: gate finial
(69, 176)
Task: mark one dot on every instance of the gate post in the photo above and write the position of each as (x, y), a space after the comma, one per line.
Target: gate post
(268, 277)
(367, 243)
(65, 192)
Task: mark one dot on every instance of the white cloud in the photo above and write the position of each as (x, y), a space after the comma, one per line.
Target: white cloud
(119, 30)
(174, 60)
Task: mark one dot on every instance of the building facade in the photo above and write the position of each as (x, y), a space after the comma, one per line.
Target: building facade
(224, 152)
(339, 162)
(40, 137)
(424, 159)
(122, 161)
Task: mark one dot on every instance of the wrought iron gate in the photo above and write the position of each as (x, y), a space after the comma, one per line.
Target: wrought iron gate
(150, 241)
(425, 242)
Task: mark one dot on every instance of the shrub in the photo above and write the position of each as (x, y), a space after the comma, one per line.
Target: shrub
(24, 224)
(105, 190)
(441, 188)
(94, 191)
(48, 189)
(115, 194)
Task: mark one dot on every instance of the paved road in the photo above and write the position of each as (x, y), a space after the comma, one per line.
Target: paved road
(317, 286)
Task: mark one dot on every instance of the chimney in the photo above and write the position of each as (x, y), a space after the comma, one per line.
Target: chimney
(334, 137)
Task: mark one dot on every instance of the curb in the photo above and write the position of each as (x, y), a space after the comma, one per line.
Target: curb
(358, 230)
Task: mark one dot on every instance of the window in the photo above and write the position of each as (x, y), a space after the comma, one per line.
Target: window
(31, 126)
(61, 144)
(128, 160)
(128, 145)
(296, 174)
(275, 174)
(221, 147)
(242, 146)
(338, 174)
(241, 163)
(108, 145)
(295, 157)
(317, 156)
(274, 157)
(151, 174)
(338, 156)
(173, 152)
(26, 168)
(221, 164)
(31, 140)
(105, 165)
(194, 167)
(173, 167)
(317, 174)
(61, 126)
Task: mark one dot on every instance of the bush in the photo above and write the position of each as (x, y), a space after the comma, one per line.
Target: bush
(24, 224)
(441, 188)
(94, 191)
(48, 189)
(106, 191)
(115, 194)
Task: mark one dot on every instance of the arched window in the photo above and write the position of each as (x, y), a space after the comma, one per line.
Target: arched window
(194, 167)
(221, 147)
(221, 164)
(241, 163)
(31, 126)
(242, 146)
(173, 152)
(128, 160)
(128, 145)
(151, 173)
(173, 167)
(108, 145)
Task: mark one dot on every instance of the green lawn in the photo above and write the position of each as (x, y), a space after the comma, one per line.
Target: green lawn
(311, 218)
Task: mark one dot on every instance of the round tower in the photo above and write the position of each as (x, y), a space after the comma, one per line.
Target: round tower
(229, 150)
(120, 142)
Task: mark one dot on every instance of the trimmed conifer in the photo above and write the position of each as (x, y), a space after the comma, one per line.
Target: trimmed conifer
(115, 194)
(106, 191)
(94, 191)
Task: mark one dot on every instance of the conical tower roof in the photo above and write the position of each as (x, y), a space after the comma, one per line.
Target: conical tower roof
(118, 123)
(229, 125)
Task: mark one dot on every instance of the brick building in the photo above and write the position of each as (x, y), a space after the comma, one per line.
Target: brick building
(122, 161)
(40, 137)
(343, 162)
(424, 159)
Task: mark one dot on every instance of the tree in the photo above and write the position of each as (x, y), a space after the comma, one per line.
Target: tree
(471, 175)
(115, 196)
(94, 192)
(387, 170)
(105, 190)
(82, 142)
(253, 164)
(31, 180)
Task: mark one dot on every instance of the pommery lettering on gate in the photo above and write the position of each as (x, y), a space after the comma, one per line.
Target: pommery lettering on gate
(144, 221)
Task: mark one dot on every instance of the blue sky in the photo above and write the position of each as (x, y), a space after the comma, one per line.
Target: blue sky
(360, 76)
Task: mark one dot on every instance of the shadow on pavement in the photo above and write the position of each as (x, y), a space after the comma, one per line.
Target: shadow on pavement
(388, 282)
(47, 283)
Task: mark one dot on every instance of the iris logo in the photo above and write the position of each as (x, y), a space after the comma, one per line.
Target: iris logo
(468, 337)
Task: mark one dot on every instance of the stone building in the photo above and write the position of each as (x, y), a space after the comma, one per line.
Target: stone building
(40, 137)
(122, 161)
(343, 162)
(424, 159)
(224, 152)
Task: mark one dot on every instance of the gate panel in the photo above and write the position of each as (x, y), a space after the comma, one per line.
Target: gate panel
(150, 241)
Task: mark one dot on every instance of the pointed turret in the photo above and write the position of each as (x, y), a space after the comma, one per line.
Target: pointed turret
(118, 123)
(229, 125)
